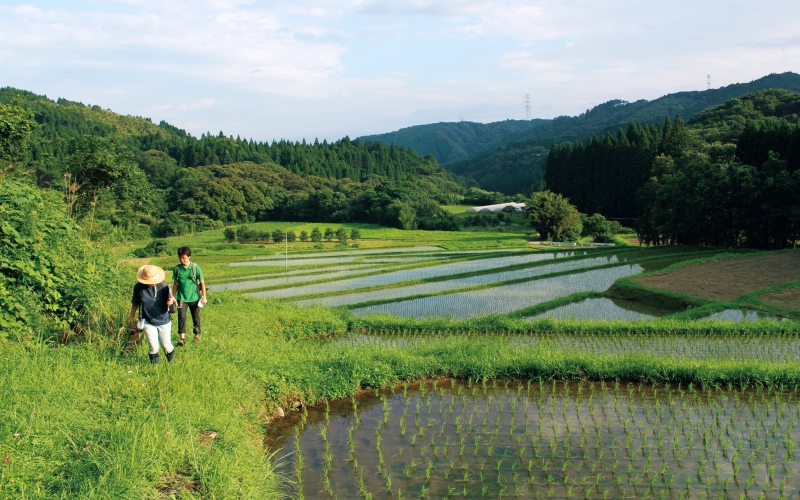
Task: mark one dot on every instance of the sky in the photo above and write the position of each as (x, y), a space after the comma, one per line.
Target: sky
(325, 69)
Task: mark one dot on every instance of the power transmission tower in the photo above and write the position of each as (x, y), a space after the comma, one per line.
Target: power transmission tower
(708, 82)
(526, 105)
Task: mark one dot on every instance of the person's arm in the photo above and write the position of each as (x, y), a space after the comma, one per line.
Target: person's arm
(132, 319)
(203, 287)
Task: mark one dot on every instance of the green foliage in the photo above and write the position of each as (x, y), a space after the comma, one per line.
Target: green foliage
(355, 234)
(341, 235)
(476, 196)
(47, 269)
(316, 235)
(598, 228)
(16, 126)
(304, 236)
(328, 234)
(553, 217)
(277, 236)
(156, 248)
(229, 234)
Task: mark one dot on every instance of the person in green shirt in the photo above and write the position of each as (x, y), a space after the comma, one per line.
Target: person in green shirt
(190, 292)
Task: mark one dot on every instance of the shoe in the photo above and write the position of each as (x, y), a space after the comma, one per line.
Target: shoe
(196, 338)
(154, 358)
(181, 341)
(170, 355)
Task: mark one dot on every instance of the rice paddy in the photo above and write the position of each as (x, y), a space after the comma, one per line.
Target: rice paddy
(504, 299)
(545, 439)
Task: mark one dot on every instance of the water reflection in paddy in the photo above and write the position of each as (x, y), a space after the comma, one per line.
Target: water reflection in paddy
(544, 440)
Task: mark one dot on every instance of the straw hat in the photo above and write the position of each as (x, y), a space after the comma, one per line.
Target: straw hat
(150, 275)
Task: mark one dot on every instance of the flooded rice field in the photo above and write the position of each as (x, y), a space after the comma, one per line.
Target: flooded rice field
(544, 439)
(770, 348)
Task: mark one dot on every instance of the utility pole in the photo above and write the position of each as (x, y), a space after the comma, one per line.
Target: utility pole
(708, 82)
(526, 105)
(286, 266)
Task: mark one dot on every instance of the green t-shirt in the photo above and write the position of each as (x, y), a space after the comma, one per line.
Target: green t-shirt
(185, 276)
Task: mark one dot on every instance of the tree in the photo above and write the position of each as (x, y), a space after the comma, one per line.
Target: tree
(16, 125)
(290, 236)
(316, 236)
(303, 236)
(598, 228)
(341, 234)
(355, 234)
(328, 234)
(553, 217)
(277, 236)
(230, 234)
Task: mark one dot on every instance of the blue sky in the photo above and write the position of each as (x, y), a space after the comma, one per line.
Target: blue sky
(271, 70)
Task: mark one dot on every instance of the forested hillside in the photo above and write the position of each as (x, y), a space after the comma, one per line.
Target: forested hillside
(452, 142)
(507, 156)
(731, 177)
(125, 175)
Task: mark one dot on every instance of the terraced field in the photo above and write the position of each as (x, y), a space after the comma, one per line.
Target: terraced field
(427, 281)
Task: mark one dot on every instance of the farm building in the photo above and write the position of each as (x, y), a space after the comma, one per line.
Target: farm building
(495, 209)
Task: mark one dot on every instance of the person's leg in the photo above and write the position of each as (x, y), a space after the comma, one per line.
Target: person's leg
(165, 335)
(152, 337)
(195, 319)
(182, 322)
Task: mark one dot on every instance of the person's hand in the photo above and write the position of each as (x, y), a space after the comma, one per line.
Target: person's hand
(170, 300)
(205, 300)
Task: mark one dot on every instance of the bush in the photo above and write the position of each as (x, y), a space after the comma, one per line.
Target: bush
(48, 271)
(597, 227)
(303, 236)
(316, 235)
(355, 234)
(328, 234)
(341, 234)
(277, 236)
(230, 234)
(155, 248)
(290, 236)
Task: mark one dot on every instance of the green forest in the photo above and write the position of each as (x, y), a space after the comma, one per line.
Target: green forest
(125, 177)
(729, 177)
(455, 142)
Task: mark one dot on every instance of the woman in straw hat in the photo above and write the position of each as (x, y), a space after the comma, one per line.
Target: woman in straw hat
(154, 297)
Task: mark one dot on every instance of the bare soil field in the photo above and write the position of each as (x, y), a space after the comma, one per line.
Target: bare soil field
(728, 279)
(786, 298)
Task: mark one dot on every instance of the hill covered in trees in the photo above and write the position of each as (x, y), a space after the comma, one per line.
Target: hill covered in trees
(730, 177)
(493, 155)
(127, 175)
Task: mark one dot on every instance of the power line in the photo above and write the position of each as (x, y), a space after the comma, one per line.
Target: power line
(526, 105)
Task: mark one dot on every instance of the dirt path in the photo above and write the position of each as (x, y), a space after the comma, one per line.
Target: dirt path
(728, 279)
(786, 298)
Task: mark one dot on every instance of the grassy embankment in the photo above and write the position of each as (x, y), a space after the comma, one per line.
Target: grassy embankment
(93, 420)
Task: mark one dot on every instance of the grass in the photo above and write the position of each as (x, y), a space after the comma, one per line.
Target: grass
(96, 420)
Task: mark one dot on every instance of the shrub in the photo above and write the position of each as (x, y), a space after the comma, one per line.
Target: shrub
(355, 234)
(341, 234)
(277, 236)
(316, 236)
(155, 248)
(48, 270)
(230, 234)
(597, 227)
(303, 236)
(290, 236)
(328, 234)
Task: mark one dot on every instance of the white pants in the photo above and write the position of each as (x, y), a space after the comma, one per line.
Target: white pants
(156, 333)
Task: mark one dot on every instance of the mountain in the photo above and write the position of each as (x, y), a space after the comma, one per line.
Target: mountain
(454, 142)
(138, 177)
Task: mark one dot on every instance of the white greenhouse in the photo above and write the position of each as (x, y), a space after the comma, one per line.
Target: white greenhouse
(495, 209)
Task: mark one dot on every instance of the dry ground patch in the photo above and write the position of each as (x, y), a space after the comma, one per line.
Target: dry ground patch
(728, 279)
(786, 298)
